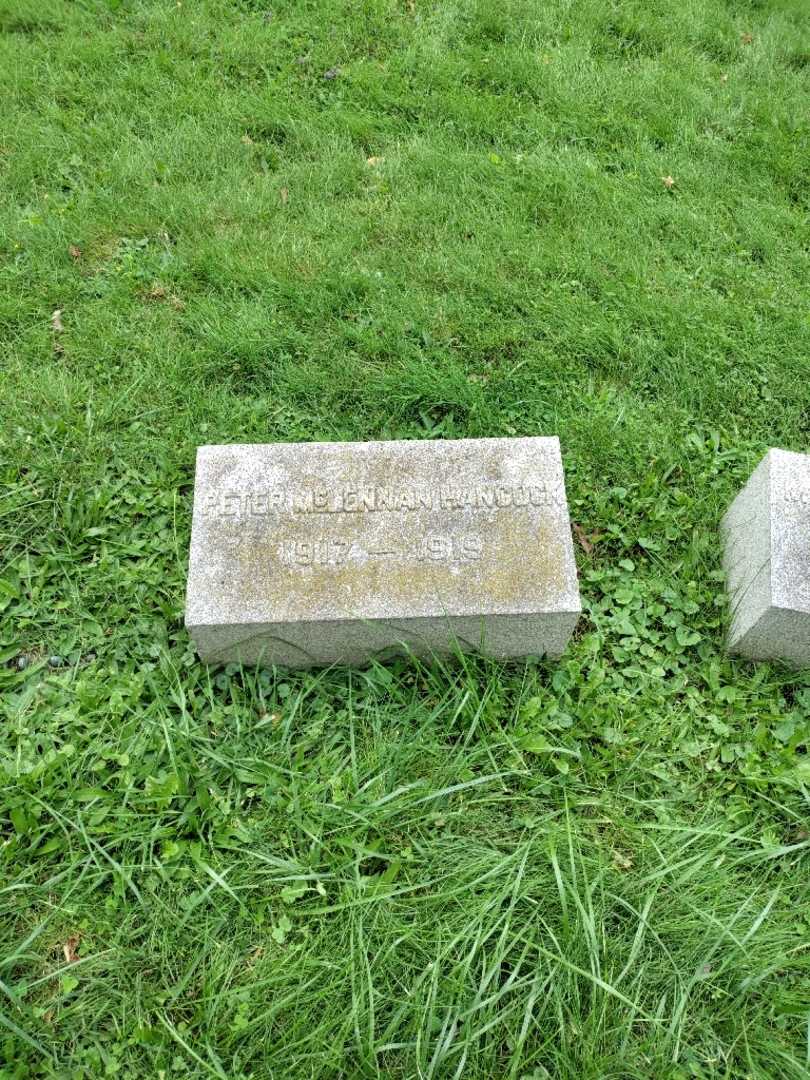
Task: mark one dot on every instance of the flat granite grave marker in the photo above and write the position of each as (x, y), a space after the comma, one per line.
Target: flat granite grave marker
(767, 561)
(316, 553)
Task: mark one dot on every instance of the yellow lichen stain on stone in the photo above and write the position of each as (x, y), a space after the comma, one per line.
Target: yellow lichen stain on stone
(521, 563)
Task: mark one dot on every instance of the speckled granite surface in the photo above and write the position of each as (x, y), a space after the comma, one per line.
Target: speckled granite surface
(766, 534)
(314, 553)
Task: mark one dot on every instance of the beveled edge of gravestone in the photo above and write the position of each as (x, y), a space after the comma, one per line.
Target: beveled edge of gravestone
(204, 610)
(745, 530)
(419, 637)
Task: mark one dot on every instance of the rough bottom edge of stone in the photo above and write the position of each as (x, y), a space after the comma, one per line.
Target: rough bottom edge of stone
(504, 637)
(780, 635)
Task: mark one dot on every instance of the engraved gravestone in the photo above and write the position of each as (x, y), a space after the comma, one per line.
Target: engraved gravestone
(767, 561)
(315, 553)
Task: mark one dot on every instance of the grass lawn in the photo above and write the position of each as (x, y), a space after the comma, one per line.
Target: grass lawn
(231, 220)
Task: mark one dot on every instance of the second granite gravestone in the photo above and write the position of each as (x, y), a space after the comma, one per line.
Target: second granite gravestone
(314, 553)
(767, 561)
